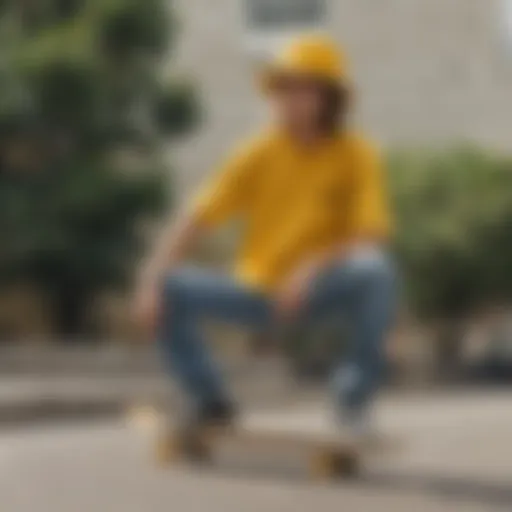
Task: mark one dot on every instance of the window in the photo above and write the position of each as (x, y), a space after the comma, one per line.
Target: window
(269, 22)
(281, 14)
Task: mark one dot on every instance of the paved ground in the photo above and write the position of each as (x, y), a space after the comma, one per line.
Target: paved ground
(25, 398)
(458, 458)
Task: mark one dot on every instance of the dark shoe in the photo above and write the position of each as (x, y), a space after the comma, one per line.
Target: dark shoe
(200, 423)
(220, 413)
(215, 414)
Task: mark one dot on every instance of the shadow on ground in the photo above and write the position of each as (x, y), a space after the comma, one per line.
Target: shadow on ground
(496, 495)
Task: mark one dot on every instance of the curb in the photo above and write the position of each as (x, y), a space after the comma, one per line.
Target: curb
(54, 410)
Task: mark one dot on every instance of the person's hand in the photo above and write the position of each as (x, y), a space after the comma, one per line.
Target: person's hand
(146, 307)
(291, 297)
(170, 250)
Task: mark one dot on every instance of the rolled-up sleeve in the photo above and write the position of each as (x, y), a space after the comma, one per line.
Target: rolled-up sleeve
(227, 194)
(370, 215)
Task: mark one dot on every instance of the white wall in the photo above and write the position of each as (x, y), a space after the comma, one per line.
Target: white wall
(428, 71)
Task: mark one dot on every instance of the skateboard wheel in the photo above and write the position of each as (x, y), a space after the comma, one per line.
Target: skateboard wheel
(329, 465)
(167, 450)
(198, 451)
(347, 465)
(170, 448)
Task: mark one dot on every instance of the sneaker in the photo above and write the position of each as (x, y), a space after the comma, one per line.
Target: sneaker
(214, 414)
(357, 427)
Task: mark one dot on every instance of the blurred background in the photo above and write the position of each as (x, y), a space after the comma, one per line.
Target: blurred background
(111, 113)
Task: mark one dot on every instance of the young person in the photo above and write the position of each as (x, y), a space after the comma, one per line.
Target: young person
(310, 194)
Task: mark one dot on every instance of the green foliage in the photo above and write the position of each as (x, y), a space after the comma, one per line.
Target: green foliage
(454, 242)
(76, 228)
(84, 112)
(175, 109)
(132, 27)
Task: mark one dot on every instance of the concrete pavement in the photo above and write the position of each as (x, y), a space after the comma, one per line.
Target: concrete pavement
(458, 459)
(26, 398)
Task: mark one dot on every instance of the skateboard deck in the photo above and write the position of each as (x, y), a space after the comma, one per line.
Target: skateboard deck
(319, 445)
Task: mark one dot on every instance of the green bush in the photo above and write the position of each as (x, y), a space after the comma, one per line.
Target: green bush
(453, 238)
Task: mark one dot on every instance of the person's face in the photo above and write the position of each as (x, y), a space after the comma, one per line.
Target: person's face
(298, 104)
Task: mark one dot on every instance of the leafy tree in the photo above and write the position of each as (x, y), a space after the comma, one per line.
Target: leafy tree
(85, 110)
(454, 242)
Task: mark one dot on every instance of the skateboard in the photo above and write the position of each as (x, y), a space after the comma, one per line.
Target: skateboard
(325, 454)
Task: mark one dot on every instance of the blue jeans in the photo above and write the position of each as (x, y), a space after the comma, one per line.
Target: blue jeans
(361, 287)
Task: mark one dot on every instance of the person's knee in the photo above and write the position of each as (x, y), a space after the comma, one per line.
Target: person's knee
(373, 267)
(175, 289)
(173, 307)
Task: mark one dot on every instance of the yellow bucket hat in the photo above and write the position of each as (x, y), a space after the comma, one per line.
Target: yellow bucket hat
(311, 56)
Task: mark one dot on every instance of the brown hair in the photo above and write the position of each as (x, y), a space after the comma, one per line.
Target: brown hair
(335, 108)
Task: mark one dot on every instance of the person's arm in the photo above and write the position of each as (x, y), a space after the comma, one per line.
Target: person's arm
(172, 247)
(224, 197)
(368, 219)
(369, 216)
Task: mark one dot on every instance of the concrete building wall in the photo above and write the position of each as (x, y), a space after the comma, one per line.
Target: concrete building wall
(427, 71)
